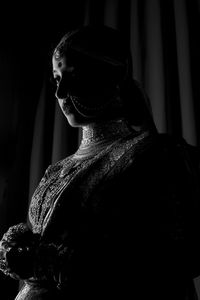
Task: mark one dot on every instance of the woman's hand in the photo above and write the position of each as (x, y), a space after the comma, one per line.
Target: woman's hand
(17, 251)
(24, 256)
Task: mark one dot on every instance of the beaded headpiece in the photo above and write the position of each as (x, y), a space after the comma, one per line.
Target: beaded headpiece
(99, 55)
(101, 43)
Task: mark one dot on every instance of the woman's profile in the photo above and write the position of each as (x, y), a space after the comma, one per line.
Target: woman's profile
(112, 219)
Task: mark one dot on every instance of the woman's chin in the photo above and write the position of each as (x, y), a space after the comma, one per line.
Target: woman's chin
(76, 120)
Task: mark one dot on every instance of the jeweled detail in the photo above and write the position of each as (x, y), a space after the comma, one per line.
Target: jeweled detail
(104, 132)
(66, 172)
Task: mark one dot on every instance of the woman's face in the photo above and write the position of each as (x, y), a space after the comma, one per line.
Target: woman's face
(63, 73)
(85, 91)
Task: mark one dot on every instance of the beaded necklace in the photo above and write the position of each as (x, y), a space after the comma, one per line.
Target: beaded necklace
(96, 140)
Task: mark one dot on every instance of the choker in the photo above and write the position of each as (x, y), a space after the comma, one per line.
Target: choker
(96, 137)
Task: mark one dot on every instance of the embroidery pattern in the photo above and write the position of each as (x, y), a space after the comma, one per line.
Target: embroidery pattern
(66, 172)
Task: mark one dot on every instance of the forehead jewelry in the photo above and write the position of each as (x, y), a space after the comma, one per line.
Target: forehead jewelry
(57, 54)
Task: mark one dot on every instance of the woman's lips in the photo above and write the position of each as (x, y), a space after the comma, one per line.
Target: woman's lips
(67, 105)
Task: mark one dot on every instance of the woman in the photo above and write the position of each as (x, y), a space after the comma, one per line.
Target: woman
(110, 219)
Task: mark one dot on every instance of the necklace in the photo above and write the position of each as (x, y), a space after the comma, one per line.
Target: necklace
(96, 137)
(96, 140)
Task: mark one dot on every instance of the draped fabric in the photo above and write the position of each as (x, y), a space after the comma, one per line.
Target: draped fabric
(160, 35)
(165, 45)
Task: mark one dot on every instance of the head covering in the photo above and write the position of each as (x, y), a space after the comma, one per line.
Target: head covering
(99, 43)
(100, 56)
(102, 60)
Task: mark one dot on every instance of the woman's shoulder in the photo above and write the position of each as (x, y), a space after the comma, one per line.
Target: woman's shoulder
(176, 147)
(163, 156)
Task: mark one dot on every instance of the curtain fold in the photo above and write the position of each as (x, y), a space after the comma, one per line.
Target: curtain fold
(185, 85)
(135, 41)
(154, 68)
(37, 153)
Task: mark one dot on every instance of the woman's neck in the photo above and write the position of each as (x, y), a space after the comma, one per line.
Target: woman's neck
(97, 136)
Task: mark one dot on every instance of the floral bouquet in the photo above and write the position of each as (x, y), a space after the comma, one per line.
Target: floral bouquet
(17, 250)
(24, 256)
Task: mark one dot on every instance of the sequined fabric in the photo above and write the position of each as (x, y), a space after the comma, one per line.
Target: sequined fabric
(66, 174)
(69, 186)
(116, 211)
(23, 292)
(31, 292)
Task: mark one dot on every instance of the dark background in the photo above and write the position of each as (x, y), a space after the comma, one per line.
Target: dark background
(28, 32)
(164, 36)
